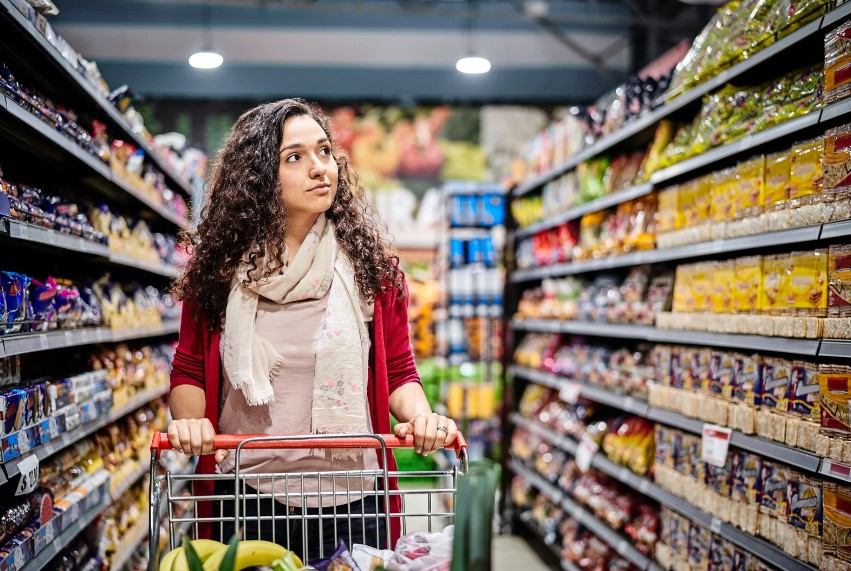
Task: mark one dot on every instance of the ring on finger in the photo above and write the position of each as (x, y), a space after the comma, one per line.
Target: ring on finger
(443, 429)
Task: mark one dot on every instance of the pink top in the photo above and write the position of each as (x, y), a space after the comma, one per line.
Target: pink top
(290, 414)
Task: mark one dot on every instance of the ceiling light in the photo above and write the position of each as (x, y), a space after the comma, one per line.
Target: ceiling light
(206, 60)
(473, 65)
(206, 57)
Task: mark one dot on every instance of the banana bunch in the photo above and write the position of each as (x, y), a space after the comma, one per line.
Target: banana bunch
(209, 555)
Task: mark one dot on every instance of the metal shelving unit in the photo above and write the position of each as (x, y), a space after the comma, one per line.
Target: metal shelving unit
(33, 342)
(621, 545)
(800, 459)
(17, 230)
(10, 469)
(804, 347)
(51, 56)
(647, 121)
(762, 549)
(22, 121)
(812, 233)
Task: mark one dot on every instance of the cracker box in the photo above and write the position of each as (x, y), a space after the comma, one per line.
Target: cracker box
(720, 478)
(748, 383)
(665, 448)
(805, 503)
(13, 405)
(699, 541)
(747, 478)
(776, 379)
(804, 390)
(723, 374)
(774, 484)
(721, 554)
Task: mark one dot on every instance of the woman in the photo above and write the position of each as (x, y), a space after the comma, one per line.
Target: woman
(294, 322)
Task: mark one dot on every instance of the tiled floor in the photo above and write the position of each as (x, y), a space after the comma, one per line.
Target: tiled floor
(511, 553)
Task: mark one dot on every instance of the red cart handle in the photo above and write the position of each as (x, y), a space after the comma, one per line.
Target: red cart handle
(231, 441)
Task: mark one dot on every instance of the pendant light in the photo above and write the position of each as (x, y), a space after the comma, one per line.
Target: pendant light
(472, 63)
(207, 57)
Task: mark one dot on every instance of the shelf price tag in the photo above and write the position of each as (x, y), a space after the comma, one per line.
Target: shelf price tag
(836, 469)
(585, 453)
(715, 444)
(570, 391)
(28, 467)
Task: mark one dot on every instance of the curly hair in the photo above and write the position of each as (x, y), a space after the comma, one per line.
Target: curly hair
(244, 213)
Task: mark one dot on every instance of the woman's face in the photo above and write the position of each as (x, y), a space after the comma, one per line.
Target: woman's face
(308, 171)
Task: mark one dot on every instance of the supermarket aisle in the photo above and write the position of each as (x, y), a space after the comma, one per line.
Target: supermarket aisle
(511, 553)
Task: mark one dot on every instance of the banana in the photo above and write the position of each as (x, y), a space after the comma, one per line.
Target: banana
(252, 553)
(203, 547)
(168, 560)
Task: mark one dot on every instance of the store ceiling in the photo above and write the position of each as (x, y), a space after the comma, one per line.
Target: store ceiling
(380, 50)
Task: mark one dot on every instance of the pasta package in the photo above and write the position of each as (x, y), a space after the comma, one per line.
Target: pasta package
(835, 392)
(837, 158)
(837, 63)
(836, 536)
(839, 278)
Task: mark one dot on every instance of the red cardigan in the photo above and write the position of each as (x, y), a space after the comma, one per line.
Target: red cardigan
(391, 365)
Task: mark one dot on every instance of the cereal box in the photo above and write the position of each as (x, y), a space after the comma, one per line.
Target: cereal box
(722, 377)
(747, 478)
(748, 383)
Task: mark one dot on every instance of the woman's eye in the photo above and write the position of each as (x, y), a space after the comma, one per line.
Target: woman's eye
(326, 151)
(292, 158)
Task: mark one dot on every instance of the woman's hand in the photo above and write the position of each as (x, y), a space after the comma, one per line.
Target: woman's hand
(194, 436)
(431, 432)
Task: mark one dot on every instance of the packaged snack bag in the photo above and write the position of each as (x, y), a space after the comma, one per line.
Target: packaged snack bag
(778, 168)
(803, 286)
(747, 279)
(805, 503)
(806, 175)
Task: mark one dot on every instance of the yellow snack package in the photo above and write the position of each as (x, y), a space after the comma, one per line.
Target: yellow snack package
(683, 298)
(721, 279)
(686, 201)
(750, 188)
(778, 168)
(669, 217)
(702, 199)
(773, 269)
(804, 283)
(807, 171)
(747, 279)
(701, 287)
(721, 208)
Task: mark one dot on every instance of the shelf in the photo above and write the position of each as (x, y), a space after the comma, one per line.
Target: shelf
(32, 342)
(25, 122)
(554, 548)
(836, 348)
(805, 347)
(615, 540)
(133, 540)
(578, 212)
(689, 252)
(67, 536)
(85, 87)
(648, 120)
(748, 143)
(18, 230)
(795, 457)
(10, 469)
(616, 400)
(758, 547)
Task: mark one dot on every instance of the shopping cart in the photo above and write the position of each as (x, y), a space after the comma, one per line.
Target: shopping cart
(427, 498)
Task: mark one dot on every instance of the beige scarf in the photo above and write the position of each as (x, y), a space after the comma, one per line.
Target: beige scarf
(319, 268)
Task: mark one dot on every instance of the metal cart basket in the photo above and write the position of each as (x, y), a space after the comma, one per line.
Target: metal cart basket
(427, 498)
